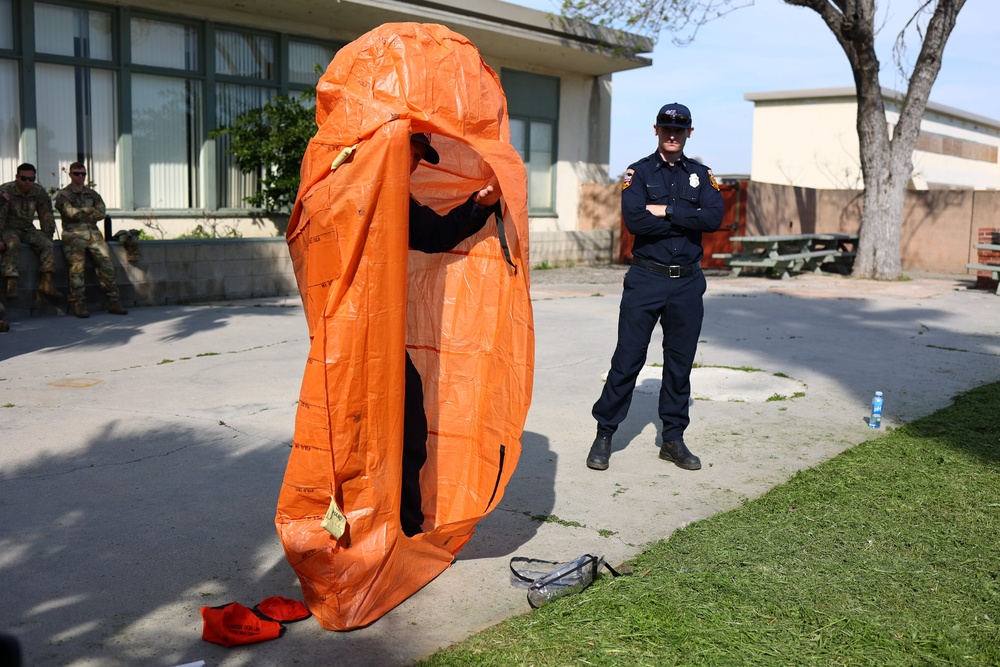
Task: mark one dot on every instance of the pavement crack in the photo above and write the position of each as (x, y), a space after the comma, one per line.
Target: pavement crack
(95, 466)
(577, 362)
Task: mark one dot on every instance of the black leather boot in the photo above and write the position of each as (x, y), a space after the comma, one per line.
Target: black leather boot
(600, 452)
(677, 452)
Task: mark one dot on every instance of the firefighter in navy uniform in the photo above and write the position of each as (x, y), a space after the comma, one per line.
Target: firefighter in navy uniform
(668, 201)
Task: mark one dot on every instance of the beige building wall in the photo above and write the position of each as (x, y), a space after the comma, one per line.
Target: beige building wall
(956, 149)
(808, 138)
(806, 142)
(583, 147)
(939, 226)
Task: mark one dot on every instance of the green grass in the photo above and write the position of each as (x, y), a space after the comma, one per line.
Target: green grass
(782, 397)
(885, 555)
(552, 518)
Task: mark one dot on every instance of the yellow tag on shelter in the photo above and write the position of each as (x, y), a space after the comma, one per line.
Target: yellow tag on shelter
(334, 522)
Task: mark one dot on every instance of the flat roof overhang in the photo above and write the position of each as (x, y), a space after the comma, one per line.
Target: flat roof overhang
(498, 29)
(851, 94)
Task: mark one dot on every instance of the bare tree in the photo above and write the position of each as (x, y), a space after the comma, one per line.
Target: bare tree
(886, 152)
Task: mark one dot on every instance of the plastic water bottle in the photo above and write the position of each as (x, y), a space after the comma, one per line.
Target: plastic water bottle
(876, 419)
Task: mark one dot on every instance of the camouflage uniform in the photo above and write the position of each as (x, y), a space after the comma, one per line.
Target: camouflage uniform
(17, 216)
(80, 213)
(4, 326)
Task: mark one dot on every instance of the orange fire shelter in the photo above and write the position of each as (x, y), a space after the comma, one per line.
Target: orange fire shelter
(464, 317)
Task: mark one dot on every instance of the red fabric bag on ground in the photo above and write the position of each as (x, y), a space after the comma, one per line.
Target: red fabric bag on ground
(282, 609)
(233, 624)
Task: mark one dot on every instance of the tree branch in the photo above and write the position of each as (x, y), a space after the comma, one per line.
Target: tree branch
(928, 65)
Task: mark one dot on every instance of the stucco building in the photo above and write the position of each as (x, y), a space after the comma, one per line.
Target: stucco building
(809, 138)
(806, 174)
(134, 88)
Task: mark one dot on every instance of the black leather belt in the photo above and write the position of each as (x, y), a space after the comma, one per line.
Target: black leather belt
(672, 270)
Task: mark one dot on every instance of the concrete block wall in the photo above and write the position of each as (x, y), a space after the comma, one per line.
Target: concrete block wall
(189, 271)
(572, 248)
(204, 270)
(171, 272)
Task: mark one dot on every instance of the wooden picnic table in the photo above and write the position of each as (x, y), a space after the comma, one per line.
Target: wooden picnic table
(994, 269)
(784, 254)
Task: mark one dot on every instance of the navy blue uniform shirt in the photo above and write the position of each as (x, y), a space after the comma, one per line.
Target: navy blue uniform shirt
(695, 207)
(431, 232)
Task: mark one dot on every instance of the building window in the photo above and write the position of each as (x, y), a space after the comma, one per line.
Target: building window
(167, 116)
(533, 106)
(242, 60)
(303, 60)
(76, 104)
(231, 100)
(77, 33)
(10, 119)
(134, 96)
(164, 44)
(243, 55)
(77, 121)
(533, 141)
(6, 24)
(166, 142)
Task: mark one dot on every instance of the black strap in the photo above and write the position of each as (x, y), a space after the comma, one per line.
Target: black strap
(549, 564)
(503, 236)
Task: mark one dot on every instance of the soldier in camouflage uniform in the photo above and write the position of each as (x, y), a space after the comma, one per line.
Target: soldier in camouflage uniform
(20, 200)
(81, 208)
(4, 327)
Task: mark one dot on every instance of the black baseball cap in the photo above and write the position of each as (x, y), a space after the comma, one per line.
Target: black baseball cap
(673, 115)
(424, 139)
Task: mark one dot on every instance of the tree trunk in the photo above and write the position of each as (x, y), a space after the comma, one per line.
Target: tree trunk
(886, 174)
(886, 164)
(881, 219)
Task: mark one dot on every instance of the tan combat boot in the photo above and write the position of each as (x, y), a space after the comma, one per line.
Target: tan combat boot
(79, 309)
(115, 308)
(12, 287)
(45, 287)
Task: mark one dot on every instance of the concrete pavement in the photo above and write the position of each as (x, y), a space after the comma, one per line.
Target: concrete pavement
(142, 455)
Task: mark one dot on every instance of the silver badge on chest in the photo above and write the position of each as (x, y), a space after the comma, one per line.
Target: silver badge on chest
(693, 181)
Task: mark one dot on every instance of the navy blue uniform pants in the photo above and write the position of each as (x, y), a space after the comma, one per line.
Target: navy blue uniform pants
(414, 450)
(677, 304)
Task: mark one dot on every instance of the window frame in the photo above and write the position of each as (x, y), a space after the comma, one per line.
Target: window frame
(531, 108)
(25, 56)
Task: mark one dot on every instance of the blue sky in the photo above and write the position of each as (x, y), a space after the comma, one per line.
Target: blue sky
(774, 46)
